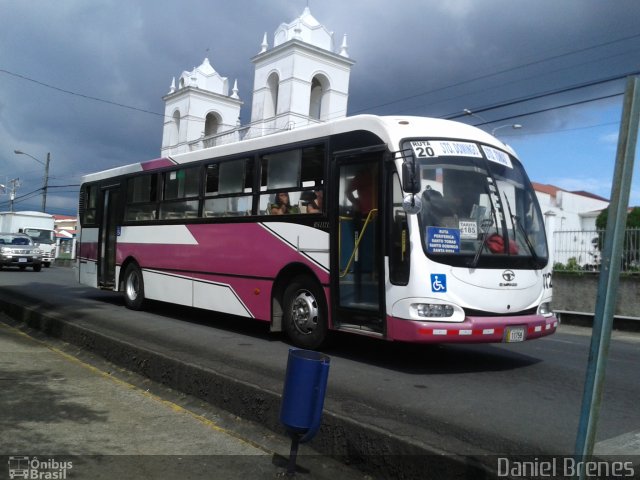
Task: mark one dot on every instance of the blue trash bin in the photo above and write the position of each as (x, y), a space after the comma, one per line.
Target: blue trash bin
(304, 390)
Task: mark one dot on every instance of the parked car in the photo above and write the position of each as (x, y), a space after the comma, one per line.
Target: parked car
(18, 250)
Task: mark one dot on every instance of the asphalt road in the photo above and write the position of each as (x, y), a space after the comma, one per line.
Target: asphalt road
(473, 400)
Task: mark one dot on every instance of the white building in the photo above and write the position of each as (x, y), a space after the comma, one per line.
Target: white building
(570, 222)
(301, 80)
(199, 107)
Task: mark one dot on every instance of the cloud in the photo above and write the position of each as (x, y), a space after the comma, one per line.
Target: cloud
(599, 186)
(418, 57)
(610, 139)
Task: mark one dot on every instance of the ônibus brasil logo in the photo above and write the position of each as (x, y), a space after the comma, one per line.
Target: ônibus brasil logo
(34, 468)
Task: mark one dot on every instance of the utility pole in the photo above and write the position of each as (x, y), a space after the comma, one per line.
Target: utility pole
(609, 275)
(15, 183)
(46, 183)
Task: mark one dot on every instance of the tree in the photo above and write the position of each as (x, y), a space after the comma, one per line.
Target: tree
(631, 251)
(633, 218)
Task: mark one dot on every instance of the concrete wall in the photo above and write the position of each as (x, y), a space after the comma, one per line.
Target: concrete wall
(578, 293)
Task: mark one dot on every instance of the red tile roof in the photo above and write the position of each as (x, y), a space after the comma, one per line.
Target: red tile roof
(553, 190)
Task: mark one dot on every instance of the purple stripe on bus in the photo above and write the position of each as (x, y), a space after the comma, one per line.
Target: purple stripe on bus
(245, 256)
(157, 163)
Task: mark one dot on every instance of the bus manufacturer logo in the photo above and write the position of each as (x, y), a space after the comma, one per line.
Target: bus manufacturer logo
(508, 275)
(509, 278)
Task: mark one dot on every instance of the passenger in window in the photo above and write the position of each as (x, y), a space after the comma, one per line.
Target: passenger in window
(283, 206)
(315, 205)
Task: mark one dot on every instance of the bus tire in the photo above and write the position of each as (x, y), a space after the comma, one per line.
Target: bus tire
(305, 313)
(133, 287)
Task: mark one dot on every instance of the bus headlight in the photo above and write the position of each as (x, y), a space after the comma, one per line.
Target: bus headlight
(545, 309)
(426, 309)
(434, 310)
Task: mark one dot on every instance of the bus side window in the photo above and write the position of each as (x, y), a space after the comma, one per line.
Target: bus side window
(228, 189)
(180, 193)
(282, 170)
(399, 249)
(299, 172)
(142, 197)
(89, 196)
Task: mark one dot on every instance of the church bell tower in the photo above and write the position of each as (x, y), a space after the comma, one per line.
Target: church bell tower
(301, 80)
(199, 110)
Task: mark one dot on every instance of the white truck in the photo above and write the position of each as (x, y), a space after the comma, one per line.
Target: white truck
(38, 225)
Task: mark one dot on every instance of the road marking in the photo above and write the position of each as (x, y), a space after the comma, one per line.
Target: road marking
(562, 341)
(176, 408)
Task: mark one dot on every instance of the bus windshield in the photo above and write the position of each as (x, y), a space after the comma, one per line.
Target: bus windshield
(478, 207)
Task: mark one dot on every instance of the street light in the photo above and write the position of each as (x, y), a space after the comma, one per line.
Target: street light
(46, 175)
(493, 131)
(472, 114)
(514, 125)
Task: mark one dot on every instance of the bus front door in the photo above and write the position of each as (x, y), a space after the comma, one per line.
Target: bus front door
(357, 244)
(107, 238)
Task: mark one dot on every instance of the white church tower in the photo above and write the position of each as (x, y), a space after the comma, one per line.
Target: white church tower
(199, 110)
(300, 81)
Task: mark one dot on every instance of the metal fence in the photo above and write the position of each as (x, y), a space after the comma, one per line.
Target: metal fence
(581, 250)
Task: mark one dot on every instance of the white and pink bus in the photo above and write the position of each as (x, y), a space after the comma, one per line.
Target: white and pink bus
(402, 228)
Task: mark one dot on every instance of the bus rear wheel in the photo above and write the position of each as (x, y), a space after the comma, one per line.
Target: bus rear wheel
(133, 287)
(305, 318)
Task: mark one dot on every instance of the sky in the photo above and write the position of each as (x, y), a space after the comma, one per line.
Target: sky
(84, 80)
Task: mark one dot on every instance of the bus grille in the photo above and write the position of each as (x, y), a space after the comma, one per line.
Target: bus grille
(482, 313)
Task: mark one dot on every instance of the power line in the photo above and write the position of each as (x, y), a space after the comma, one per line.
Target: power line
(449, 116)
(528, 132)
(90, 97)
(537, 96)
(502, 85)
(500, 72)
(69, 92)
(463, 82)
(543, 110)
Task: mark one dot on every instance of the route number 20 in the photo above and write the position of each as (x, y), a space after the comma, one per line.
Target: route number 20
(423, 152)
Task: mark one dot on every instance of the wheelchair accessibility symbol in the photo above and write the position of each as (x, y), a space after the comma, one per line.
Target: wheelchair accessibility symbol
(438, 282)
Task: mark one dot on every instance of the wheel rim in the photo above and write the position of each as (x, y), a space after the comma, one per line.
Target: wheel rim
(133, 285)
(304, 312)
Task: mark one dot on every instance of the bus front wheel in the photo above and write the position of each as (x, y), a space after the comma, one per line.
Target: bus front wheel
(305, 318)
(133, 287)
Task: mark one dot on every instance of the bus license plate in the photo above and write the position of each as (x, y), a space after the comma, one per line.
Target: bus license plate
(514, 334)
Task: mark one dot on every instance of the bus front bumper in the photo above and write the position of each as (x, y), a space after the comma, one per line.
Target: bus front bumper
(472, 330)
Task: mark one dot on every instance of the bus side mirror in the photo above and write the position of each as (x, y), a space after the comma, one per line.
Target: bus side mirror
(410, 181)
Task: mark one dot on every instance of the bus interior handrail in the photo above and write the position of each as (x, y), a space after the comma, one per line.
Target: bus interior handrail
(373, 212)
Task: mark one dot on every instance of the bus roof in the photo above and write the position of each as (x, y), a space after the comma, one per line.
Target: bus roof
(390, 129)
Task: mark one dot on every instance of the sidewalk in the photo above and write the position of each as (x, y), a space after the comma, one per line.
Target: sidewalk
(81, 417)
